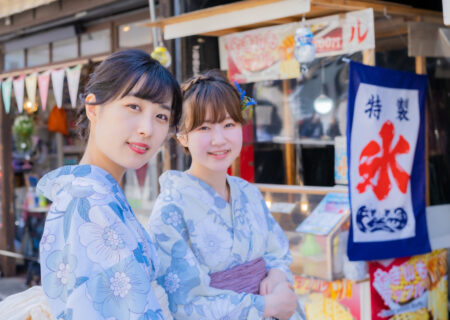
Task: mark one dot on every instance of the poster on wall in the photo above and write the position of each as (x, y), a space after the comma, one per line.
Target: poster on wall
(410, 288)
(268, 53)
(328, 213)
(333, 300)
(386, 154)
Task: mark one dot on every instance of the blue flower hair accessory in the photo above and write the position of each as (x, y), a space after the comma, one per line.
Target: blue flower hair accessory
(246, 102)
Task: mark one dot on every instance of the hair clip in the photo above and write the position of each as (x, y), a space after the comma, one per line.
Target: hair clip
(246, 102)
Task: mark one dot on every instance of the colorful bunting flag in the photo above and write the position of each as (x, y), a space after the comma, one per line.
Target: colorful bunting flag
(19, 91)
(43, 83)
(73, 80)
(31, 83)
(6, 93)
(58, 85)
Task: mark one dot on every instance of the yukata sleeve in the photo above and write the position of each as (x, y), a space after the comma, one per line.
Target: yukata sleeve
(185, 278)
(277, 254)
(99, 273)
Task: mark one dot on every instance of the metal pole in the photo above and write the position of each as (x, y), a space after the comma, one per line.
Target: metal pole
(155, 32)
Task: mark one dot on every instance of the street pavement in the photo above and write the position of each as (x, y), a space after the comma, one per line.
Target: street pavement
(11, 285)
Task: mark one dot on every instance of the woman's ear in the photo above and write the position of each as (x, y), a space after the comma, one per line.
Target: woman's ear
(91, 109)
(182, 139)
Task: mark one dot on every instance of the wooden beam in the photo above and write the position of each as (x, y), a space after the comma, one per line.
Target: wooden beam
(52, 66)
(289, 152)
(319, 8)
(204, 13)
(369, 57)
(377, 6)
(51, 12)
(7, 219)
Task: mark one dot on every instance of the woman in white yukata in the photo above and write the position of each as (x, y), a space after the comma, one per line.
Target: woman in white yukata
(223, 256)
(97, 260)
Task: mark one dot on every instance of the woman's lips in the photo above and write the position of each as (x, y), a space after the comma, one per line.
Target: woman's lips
(139, 148)
(221, 154)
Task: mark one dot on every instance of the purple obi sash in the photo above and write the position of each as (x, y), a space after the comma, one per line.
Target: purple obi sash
(242, 278)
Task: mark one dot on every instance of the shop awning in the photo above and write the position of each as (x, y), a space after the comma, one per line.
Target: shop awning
(234, 17)
(8, 7)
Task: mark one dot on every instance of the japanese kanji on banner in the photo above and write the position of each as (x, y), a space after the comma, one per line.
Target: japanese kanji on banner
(386, 154)
(268, 53)
(410, 288)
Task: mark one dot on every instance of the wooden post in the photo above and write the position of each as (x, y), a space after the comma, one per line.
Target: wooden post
(7, 264)
(369, 57)
(289, 152)
(421, 68)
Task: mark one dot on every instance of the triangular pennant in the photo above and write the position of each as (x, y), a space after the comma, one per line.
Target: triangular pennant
(43, 82)
(58, 84)
(30, 83)
(73, 80)
(6, 93)
(19, 91)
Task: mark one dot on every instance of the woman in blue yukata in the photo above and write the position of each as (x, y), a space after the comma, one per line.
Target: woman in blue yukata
(223, 256)
(97, 260)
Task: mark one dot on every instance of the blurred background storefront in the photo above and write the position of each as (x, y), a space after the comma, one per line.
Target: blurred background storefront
(294, 143)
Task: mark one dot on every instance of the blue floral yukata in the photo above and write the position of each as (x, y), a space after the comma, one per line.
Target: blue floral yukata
(97, 260)
(198, 233)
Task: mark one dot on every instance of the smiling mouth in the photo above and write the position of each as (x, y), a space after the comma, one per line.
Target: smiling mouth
(219, 153)
(141, 149)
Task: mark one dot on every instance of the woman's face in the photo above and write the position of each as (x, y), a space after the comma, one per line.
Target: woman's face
(130, 130)
(214, 146)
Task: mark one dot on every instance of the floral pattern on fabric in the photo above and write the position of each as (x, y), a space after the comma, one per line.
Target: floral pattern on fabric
(97, 260)
(198, 233)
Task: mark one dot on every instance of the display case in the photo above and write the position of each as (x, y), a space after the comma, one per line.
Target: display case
(315, 221)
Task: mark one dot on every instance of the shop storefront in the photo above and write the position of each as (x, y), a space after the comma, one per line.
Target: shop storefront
(295, 146)
(41, 79)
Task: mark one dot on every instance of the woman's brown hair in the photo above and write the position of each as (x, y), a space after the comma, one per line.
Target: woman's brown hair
(208, 94)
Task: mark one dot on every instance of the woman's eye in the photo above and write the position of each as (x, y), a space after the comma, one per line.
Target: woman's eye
(163, 117)
(134, 107)
(229, 125)
(203, 128)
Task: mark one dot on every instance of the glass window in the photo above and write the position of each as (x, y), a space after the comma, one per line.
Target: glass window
(38, 55)
(14, 60)
(134, 34)
(95, 42)
(65, 49)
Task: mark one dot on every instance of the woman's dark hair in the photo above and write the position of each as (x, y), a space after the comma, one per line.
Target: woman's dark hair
(130, 72)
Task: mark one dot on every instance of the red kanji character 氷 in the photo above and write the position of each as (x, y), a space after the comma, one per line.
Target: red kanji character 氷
(370, 164)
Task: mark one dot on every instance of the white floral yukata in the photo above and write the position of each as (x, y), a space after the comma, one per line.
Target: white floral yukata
(97, 260)
(198, 233)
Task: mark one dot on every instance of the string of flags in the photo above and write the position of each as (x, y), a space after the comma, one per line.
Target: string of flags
(30, 83)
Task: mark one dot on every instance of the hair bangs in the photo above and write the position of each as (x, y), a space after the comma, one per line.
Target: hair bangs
(149, 87)
(213, 102)
(155, 86)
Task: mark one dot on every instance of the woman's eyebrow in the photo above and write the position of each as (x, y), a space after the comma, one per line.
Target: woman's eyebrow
(166, 107)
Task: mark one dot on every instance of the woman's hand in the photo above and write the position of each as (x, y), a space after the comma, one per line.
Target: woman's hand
(274, 277)
(281, 303)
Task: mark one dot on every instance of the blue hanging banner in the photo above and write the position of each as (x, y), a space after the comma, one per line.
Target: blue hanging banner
(386, 161)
